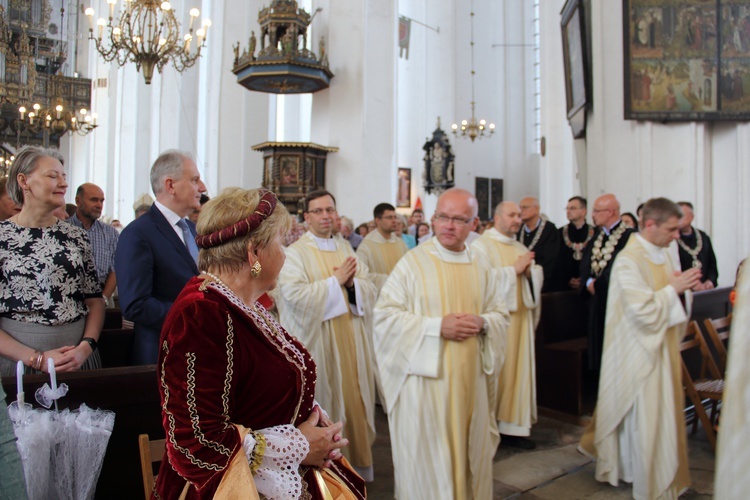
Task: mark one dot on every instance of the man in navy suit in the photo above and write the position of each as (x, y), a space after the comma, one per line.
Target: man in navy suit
(156, 253)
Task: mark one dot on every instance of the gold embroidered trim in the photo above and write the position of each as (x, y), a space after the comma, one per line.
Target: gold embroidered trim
(193, 410)
(258, 451)
(170, 417)
(267, 326)
(230, 371)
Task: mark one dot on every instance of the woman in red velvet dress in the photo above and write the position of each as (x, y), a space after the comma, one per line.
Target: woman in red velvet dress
(236, 389)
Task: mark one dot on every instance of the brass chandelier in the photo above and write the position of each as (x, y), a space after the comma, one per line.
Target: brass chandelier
(473, 128)
(38, 103)
(148, 34)
(55, 119)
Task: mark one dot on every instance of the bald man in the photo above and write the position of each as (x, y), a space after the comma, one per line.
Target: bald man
(439, 333)
(541, 237)
(596, 266)
(103, 237)
(520, 281)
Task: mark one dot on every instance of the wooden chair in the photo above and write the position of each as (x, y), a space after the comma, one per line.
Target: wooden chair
(718, 332)
(702, 389)
(151, 452)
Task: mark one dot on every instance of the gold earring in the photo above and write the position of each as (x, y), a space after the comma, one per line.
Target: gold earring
(255, 270)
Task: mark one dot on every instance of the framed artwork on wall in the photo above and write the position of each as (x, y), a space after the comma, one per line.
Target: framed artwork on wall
(575, 62)
(687, 60)
(403, 195)
(489, 193)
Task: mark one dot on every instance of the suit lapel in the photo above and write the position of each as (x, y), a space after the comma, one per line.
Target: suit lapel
(163, 226)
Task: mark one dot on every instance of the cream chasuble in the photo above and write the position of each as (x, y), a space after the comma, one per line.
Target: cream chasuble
(381, 255)
(515, 408)
(733, 453)
(438, 392)
(314, 308)
(638, 428)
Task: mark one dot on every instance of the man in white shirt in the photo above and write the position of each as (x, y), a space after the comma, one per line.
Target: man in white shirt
(157, 254)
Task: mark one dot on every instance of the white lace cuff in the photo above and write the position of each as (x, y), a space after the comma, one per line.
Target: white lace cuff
(275, 454)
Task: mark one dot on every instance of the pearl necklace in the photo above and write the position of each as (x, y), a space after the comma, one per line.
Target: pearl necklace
(693, 252)
(217, 279)
(600, 257)
(577, 247)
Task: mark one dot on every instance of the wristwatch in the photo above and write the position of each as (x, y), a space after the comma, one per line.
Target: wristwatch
(91, 342)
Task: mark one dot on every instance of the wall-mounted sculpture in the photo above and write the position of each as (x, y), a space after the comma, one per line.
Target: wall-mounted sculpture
(438, 162)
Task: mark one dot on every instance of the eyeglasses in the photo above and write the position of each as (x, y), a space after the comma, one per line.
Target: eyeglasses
(318, 211)
(458, 221)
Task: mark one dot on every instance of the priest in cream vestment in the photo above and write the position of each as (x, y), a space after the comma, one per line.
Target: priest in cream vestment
(638, 431)
(520, 281)
(381, 249)
(733, 453)
(439, 339)
(324, 297)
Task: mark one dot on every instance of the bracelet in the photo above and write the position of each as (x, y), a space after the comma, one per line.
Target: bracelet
(35, 361)
(90, 341)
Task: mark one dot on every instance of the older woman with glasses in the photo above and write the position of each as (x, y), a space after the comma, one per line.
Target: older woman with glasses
(237, 389)
(50, 302)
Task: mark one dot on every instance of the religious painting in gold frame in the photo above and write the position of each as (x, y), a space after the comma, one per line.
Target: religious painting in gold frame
(687, 60)
(403, 193)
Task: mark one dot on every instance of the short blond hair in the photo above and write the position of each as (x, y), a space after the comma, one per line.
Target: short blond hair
(231, 206)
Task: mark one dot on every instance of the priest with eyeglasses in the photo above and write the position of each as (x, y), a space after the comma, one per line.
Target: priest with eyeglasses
(325, 299)
(439, 336)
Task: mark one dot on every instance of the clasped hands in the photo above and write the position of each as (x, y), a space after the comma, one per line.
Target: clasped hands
(686, 280)
(345, 273)
(67, 358)
(523, 263)
(324, 437)
(460, 327)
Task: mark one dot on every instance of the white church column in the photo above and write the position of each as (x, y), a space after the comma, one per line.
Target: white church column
(357, 112)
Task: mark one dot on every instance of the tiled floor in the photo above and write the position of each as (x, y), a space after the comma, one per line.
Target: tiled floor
(554, 470)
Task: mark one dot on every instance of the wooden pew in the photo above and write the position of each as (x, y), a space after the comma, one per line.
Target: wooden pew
(114, 347)
(112, 318)
(563, 383)
(132, 393)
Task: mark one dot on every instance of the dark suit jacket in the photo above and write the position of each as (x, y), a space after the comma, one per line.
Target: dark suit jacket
(547, 251)
(152, 266)
(598, 303)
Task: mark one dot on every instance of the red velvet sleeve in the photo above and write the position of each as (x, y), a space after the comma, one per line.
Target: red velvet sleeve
(196, 363)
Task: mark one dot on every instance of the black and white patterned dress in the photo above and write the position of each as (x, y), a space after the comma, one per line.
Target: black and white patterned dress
(46, 274)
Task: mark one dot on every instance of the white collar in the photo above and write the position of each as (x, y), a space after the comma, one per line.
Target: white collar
(462, 257)
(497, 235)
(324, 244)
(168, 214)
(657, 255)
(379, 238)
